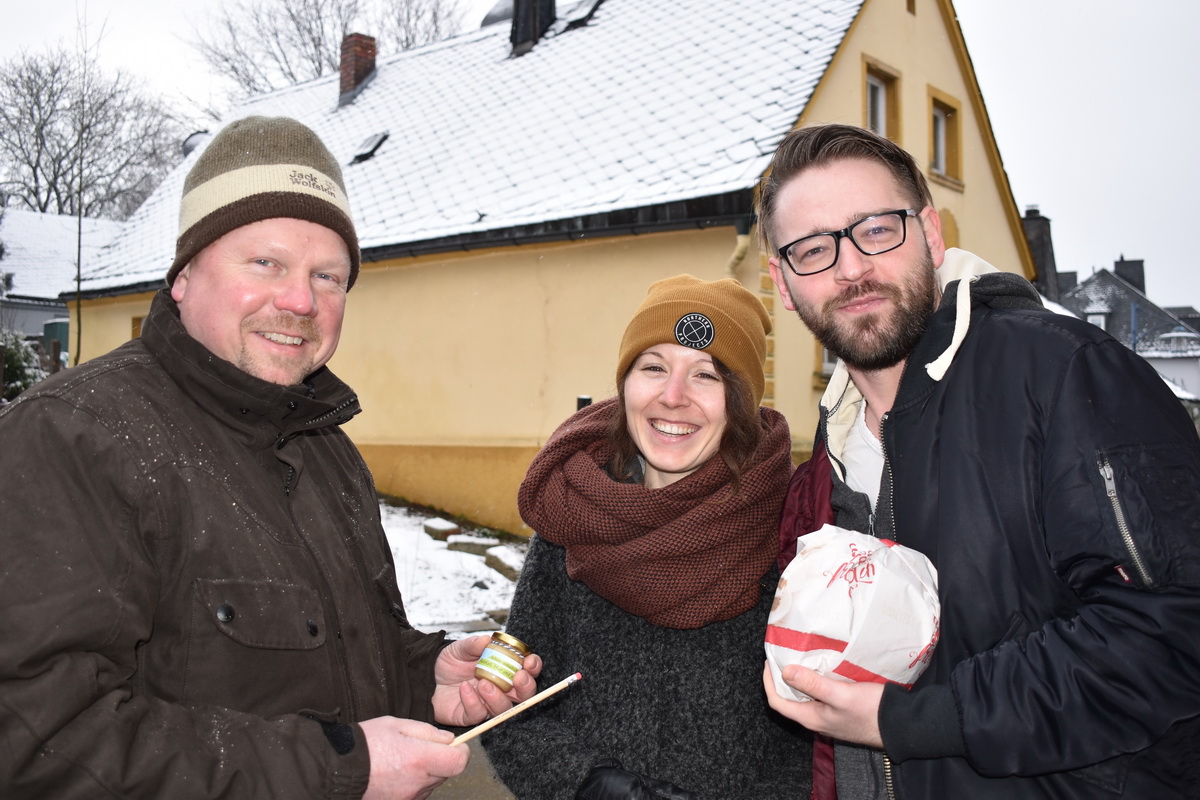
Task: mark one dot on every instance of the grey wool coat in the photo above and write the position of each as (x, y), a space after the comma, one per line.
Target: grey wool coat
(684, 706)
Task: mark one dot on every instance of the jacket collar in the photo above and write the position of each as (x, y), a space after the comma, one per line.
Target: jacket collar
(968, 283)
(255, 408)
(965, 281)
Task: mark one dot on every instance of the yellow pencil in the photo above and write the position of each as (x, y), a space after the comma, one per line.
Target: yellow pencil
(517, 709)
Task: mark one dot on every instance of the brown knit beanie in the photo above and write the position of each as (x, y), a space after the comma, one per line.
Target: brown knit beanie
(258, 168)
(722, 318)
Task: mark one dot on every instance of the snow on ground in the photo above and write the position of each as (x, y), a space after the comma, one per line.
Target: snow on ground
(446, 589)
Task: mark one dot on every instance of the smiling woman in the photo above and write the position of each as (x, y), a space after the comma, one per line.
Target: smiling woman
(652, 569)
(670, 332)
(674, 411)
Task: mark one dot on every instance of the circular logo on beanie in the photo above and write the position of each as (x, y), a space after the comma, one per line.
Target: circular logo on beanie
(694, 330)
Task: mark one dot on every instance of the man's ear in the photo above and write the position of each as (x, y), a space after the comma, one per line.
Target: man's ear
(931, 224)
(179, 287)
(779, 276)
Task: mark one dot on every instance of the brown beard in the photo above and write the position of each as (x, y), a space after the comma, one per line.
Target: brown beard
(303, 326)
(875, 341)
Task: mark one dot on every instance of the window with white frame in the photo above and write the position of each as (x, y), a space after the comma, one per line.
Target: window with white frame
(881, 102)
(938, 159)
(877, 104)
(945, 135)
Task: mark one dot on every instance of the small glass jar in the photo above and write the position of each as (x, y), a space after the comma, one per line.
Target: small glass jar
(501, 660)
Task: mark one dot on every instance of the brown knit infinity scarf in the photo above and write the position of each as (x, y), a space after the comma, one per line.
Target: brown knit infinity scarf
(681, 556)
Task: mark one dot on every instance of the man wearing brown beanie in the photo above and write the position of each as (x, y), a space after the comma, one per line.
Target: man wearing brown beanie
(199, 599)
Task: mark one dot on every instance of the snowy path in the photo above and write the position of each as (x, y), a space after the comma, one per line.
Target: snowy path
(443, 588)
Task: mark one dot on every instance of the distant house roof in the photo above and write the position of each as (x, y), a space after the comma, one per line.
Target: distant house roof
(655, 113)
(1131, 317)
(1188, 315)
(1117, 298)
(1180, 392)
(39, 251)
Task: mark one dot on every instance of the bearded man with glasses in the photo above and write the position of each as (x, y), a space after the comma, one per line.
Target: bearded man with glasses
(1044, 468)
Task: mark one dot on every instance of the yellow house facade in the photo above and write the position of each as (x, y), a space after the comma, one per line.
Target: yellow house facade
(469, 353)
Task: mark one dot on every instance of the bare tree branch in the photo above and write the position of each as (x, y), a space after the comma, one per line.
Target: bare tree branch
(73, 140)
(261, 45)
(405, 24)
(268, 44)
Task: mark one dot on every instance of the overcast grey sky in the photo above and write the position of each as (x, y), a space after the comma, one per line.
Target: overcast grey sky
(1094, 105)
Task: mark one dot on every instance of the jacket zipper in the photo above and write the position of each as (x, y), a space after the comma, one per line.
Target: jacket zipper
(887, 778)
(891, 481)
(331, 412)
(888, 782)
(1110, 488)
(283, 439)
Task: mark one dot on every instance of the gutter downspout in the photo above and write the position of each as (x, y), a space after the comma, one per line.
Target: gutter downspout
(740, 248)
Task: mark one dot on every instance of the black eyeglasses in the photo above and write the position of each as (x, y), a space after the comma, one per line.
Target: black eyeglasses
(872, 235)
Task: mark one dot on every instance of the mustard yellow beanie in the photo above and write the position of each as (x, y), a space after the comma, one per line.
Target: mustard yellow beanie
(722, 318)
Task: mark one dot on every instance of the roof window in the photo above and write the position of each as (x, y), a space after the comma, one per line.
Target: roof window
(367, 149)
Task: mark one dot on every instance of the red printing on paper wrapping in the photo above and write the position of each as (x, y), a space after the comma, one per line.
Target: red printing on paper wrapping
(859, 569)
(859, 675)
(803, 642)
(799, 640)
(926, 654)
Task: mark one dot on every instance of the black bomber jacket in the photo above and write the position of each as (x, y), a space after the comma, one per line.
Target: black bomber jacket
(1054, 481)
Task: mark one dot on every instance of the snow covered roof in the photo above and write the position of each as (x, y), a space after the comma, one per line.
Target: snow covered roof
(40, 250)
(652, 102)
(1055, 307)
(1131, 317)
(1180, 392)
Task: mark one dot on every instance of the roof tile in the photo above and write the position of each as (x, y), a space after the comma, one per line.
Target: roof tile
(653, 101)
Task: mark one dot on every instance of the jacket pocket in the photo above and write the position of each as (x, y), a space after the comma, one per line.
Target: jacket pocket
(1019, 626)
(1151, 497)
(258, 646)
(1108, 775)
(267, 614)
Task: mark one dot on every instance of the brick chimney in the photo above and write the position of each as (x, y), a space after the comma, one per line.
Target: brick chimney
(358, 65)
(1041, 246)
(1133, 272)
(531, 19)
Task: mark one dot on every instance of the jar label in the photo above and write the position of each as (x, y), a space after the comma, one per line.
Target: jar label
(499, 664)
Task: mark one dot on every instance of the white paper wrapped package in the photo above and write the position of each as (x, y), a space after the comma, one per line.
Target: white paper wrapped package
(854, 608)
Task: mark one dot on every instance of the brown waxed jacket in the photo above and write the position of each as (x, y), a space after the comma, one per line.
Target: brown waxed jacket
(196, 594)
